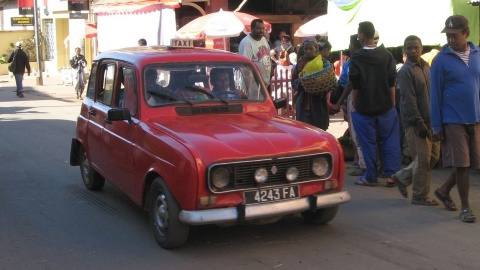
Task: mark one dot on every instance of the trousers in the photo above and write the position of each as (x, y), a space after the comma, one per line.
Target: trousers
(19, 82)
(379, 131)
(425, 154)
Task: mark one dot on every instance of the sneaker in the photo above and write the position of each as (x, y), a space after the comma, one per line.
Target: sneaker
(20, 95)
(425, 201)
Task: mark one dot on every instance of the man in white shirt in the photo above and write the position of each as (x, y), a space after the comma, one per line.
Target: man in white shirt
(255, 47)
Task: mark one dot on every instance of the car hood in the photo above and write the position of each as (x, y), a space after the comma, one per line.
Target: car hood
(223, 137)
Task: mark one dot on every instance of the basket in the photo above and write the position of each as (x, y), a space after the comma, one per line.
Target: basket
(319, 82)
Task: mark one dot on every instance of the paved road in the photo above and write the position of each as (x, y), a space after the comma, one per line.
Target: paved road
(48, 220)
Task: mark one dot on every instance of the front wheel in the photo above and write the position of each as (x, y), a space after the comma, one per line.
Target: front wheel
(164, 213)
(91, 178)
(321, 216)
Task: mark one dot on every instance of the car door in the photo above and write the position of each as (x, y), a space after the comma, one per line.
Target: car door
(97, 113)
(118, 135)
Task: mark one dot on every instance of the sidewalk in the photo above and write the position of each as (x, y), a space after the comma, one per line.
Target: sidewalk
(52, 86)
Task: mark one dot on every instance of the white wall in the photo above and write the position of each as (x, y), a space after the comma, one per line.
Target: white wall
(124, 30)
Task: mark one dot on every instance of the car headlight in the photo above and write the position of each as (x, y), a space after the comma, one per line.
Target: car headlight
(261, 175)
(320, 166)
(292, 174)
(220, 178)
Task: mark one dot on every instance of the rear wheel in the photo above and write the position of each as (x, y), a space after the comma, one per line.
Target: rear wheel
(91, 178)
(164, 213)
(321, 216)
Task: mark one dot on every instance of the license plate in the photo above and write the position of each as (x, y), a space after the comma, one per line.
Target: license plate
(271, 194)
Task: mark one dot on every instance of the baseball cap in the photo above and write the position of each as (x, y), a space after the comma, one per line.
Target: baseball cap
(18, 44)
(455, 24)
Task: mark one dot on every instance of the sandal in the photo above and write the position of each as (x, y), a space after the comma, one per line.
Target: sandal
(467, 215)
(364, 182)
(447, 201)
(390, 182)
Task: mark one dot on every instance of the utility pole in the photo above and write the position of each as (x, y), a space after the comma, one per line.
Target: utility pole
(38, 50)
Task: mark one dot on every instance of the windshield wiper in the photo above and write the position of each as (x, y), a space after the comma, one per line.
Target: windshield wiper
(169, 97)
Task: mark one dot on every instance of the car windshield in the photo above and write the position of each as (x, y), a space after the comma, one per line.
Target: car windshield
(194, 83)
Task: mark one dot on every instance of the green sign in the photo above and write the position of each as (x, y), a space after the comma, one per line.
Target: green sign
(21, 21)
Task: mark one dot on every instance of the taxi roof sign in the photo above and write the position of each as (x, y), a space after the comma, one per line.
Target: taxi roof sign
(181, 43)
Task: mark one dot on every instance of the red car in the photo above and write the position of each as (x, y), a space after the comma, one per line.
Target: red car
(193, 136)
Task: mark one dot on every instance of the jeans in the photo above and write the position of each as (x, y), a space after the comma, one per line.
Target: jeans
(80, 81)
(19, 83)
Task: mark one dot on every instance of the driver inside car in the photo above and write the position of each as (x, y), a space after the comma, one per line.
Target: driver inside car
(222, 86)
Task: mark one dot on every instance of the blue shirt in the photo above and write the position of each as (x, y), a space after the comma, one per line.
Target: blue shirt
(344, 75)
(455, 88)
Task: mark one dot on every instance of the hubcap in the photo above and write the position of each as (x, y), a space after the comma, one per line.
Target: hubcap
(161, 214)
(86, 168)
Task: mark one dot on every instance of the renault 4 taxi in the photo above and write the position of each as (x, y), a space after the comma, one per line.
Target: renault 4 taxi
(157, 124)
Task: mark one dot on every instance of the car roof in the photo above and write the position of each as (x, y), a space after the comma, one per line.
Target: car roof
(142, 55)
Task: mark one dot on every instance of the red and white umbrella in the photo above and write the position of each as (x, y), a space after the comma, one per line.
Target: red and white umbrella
(219, 24)
(316, 26)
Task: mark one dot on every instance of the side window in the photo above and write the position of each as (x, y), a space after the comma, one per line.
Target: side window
(104, 94)
(91, 82)
(127, 96)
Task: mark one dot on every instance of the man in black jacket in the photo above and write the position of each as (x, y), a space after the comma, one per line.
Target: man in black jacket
(21, 62)
(372, 73)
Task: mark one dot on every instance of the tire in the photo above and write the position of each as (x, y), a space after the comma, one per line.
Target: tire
(321, 216)
(91, 178)
(164, 211)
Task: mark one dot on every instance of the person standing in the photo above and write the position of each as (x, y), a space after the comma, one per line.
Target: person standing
(79, 63)
(21, 63)
(324, 49)
(279, 39)
(280, 56)
(311, 109)
(347, 94)
(373, 74)
(255, 47)
(455, 111)
(414, 85)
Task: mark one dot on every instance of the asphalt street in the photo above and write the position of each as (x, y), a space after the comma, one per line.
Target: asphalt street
(48, 220)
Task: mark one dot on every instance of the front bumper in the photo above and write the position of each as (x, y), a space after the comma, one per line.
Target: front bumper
(257, 211)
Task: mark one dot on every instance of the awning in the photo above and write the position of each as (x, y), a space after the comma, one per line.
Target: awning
(107, 7)
(90, 30)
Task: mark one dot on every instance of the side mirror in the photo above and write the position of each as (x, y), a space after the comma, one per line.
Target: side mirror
(118, 114)
(280, 103)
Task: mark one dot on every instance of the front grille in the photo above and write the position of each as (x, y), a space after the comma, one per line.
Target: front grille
(242, 173)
